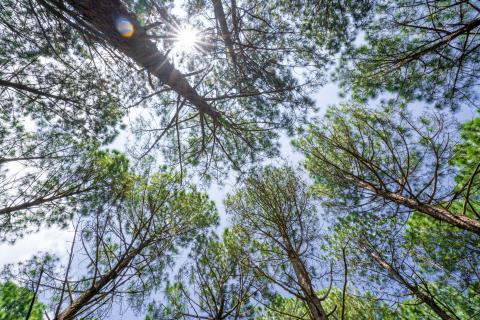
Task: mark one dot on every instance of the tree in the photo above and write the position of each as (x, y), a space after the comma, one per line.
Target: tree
(214, 284)
(367, 159)
(374, 168)
(275, 221)
(438, 246)
(123, 246)
(17, 303)
(399, 263)
(366, 307)
(58, 109)
(48, 82)
(419, 50)
(193, 117)
(389, 228)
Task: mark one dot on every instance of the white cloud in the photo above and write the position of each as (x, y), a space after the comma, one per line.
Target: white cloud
(54, 240)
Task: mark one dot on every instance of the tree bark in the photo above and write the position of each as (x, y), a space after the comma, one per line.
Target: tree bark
(226, 34)
(313, 302)
(441, 214)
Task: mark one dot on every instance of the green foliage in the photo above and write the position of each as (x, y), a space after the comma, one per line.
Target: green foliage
(52, 79)
(213, 284)
(274, 205)
(418, 51)
(386, 147)
(443, 251)
(357, 306)
(467, 154)
(15, 302)
(134, 238)
(369, 307)
(67, 80)
(463, 304)
(334, 24)
(56, 185)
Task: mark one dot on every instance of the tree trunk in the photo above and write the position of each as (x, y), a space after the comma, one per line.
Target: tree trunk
(84, 299)
(313, 302)
(441, 214)
(226, 34)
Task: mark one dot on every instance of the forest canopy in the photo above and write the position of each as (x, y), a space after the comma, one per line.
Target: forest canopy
(117, 117)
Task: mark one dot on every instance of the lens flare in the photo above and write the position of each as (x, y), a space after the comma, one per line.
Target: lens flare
(124, 27)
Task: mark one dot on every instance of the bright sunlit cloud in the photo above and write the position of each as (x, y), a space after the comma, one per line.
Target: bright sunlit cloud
(186, 39)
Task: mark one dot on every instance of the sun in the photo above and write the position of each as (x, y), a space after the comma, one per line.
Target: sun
(186, 38)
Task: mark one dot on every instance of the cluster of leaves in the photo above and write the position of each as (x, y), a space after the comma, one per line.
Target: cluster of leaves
(16, 303)
(418, 50)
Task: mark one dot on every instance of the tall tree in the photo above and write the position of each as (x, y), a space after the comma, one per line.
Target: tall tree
(208, 130)
(388, 256)
(276, 222)
(363, 158)
(374, 168)
(368, 306)
(55, 114)
(48, 81)
(123, 246)
(45, 177)
(204, 108)
(214, 284)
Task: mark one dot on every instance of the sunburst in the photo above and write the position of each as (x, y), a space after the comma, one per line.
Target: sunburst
(186, 39)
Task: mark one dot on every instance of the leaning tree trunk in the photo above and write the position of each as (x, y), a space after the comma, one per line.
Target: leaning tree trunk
(460, 221)
(100, 18)
(86, 297)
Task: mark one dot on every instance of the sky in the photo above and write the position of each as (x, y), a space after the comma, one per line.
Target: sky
(58, 241)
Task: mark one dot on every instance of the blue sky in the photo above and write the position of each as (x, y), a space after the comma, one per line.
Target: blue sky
(57, 241)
